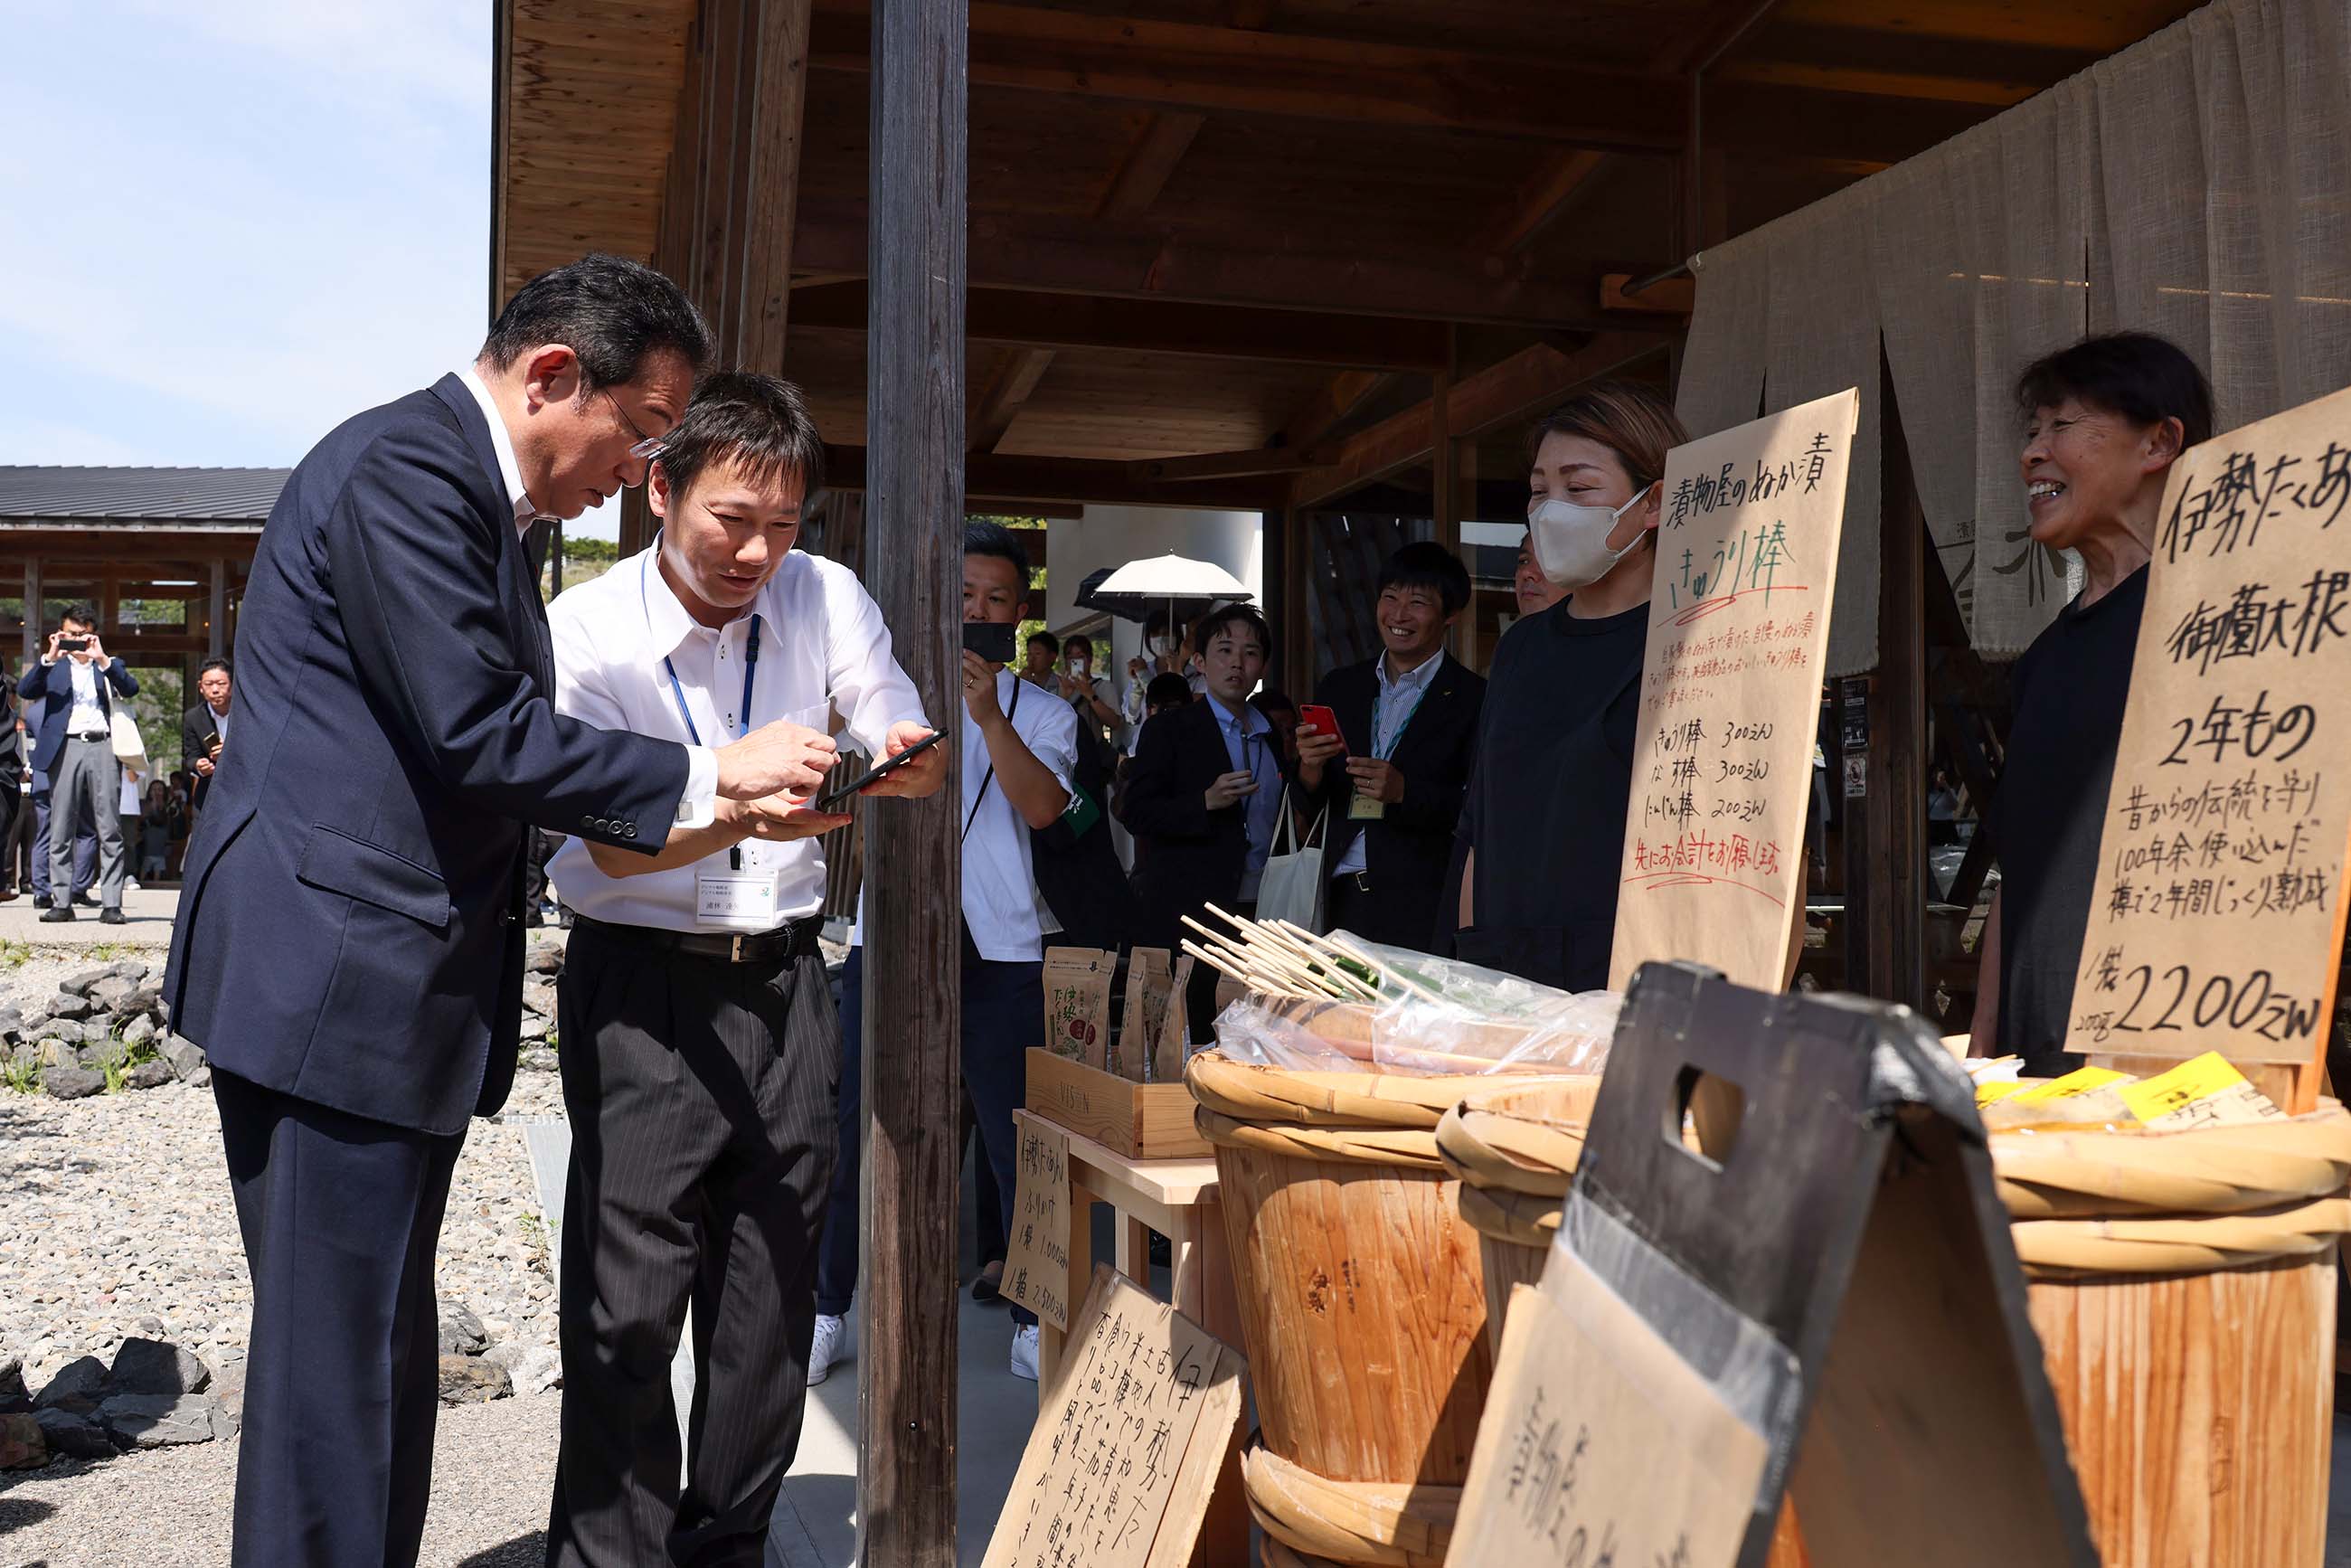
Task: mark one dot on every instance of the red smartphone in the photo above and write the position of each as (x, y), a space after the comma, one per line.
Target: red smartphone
(1324, 721)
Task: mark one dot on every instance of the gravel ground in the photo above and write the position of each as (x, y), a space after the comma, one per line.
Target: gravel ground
(492, 1472)
(117, 1221)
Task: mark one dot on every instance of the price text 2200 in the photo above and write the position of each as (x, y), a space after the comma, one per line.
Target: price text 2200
(2178, 997)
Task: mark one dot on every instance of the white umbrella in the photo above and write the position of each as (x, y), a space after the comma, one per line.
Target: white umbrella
(1172, 576)
(1135, 589)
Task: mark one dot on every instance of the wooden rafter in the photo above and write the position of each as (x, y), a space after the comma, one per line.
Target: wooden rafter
(1007, 481)
(1008, 390)
(1149, 164)
(1033, 319)
(1061, 256)
(1208, 69)
(1563, 178)
(1335, 403)
(1477, 403)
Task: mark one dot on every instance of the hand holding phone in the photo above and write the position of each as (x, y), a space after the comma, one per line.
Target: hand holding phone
(1319, 742)
(831, 798)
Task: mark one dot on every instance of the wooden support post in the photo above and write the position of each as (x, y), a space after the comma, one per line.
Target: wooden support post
(1295, 631)
(914, 487)
(34, 632)
(1886, 832)
(216, 611)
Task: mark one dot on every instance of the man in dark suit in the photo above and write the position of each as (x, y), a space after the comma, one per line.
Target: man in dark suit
(75, 683)
(350, 946)
(1202, 795)
(1395, 774)
(203, 728)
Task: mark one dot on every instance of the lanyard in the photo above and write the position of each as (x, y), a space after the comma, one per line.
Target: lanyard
(750, 674)
(1395, 732)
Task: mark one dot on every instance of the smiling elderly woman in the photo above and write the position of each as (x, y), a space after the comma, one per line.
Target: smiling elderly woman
(2104, 421)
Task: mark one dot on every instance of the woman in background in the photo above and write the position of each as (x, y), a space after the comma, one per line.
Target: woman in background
(1544, 823)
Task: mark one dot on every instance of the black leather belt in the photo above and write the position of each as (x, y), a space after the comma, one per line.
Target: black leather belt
(795, 940)
(92, 735)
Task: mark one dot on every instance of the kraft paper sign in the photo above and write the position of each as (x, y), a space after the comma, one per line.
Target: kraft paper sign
(1037, 1268)
(1600, 1443)
(2218, 916)
(1128, 1443)
(1730, 691)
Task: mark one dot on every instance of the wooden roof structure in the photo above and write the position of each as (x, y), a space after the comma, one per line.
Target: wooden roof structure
(112, 534)
(1225, 252)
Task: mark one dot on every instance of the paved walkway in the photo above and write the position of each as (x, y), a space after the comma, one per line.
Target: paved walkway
(148, 923)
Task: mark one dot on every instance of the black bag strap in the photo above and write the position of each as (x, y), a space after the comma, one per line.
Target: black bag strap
(989, 776)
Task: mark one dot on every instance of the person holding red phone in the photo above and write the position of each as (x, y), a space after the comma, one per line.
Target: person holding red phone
(1386, 748)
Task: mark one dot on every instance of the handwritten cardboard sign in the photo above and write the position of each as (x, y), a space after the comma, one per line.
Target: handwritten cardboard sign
(2218, 915)
(1128, 1441)
(1739, 620)
(1600, 1443)
(1037, 1268)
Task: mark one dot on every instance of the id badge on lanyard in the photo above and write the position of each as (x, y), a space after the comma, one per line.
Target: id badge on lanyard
(741, 893)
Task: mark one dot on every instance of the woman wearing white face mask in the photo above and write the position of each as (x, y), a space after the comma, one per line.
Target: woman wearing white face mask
(1545, 823)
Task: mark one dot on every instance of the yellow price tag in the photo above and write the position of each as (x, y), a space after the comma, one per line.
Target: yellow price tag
(2081, 1081)
(2197, 1078)
(1987, 1092)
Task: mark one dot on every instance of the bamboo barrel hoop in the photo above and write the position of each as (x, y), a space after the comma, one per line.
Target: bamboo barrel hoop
(1517, 1218)
(1407, 1150)
(1371, 1524)
(1247, 1093)
(2202, 1244)
(2209, 1170)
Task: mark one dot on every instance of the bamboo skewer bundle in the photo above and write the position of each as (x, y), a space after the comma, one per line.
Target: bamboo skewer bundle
(1285, 960)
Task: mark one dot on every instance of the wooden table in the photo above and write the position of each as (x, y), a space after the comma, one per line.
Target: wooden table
(1177, 1198)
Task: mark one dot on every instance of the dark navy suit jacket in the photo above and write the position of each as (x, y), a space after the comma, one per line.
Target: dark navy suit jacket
(52, 686)
(349, 928)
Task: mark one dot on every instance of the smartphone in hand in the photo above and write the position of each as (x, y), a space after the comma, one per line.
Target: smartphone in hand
(1324, 721)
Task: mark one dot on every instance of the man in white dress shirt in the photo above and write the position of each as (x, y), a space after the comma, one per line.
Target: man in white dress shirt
(697, 1036)
(1019, 749)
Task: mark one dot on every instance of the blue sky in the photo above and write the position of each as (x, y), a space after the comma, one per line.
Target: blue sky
(232, 224)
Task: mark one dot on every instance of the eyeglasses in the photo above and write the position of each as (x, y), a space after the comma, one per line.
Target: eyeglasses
(647, 447)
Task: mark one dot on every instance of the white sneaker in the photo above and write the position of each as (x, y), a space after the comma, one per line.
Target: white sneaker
(831, 1344)
(1024, 1351)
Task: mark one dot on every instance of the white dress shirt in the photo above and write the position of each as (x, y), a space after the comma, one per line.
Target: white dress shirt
(823, 646)
(220, 721)
(1392, 711)
(1006, 914)
(1249, 746)
(699, 803)
(88, 714)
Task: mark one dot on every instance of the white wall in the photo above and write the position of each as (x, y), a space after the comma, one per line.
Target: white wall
(1076, 548)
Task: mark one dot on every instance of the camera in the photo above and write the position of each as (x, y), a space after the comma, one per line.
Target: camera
(72, 645)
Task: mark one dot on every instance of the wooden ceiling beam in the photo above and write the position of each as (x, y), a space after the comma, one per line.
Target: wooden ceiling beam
(1008, 391)
(1036, 320)
(1334, 404)
(1087, 257)
(1149, 164)
(1210, 69)
(996, 481)
(1514, 389)
(1220, 465)
(1564, 178)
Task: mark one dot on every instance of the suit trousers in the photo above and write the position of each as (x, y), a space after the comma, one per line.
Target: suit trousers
(341, 1217)
(700, 1093)
(33, 827)
(86, 792)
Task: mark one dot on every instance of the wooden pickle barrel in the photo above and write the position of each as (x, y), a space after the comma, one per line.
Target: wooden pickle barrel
(1514, 1152)
(1361, 1296)
(2183, 1288)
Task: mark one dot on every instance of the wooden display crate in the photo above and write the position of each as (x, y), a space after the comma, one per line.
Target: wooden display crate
(1141, 1121)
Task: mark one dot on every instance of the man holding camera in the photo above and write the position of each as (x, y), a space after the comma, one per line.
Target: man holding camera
(1020, 747)
(75, 683)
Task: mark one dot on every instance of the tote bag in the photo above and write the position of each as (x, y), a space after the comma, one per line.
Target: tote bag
(1294, 887)
(128, 745)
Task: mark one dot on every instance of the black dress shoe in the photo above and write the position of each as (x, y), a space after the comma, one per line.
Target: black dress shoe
(111, 917)
(40, 900)
(49, 917)
(86, 900)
